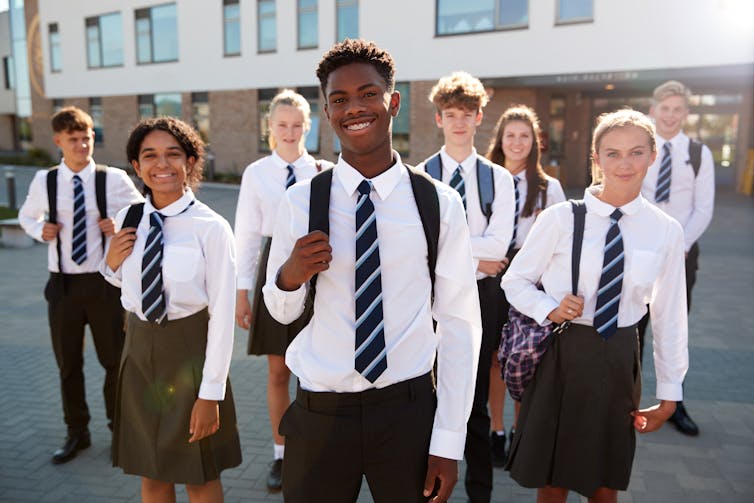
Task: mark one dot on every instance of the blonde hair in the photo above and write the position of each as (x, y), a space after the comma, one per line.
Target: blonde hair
(614, 120)
(290, 98)
(459, 90)
(671, 88)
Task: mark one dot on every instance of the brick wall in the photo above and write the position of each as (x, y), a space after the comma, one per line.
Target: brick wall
(234, 129)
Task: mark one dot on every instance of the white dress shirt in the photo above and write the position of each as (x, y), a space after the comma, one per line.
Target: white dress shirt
(489, 241)
(322, 355)
(32, 215)
(198, 271)
(262, 188)
(653, 274)
(692, 198)
(555, 195)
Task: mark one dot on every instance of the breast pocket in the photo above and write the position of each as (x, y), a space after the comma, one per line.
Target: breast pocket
(644, 267)
(180, 263)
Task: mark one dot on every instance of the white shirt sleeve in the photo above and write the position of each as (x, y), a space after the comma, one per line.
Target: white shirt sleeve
(703, 202)
(493, 243)
(248, 233)
(121, 191)
(31, 216)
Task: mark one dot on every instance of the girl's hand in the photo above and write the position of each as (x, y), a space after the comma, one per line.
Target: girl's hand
(570, 308)
(121, 247)
(205, 419)
(651, 419)
(243, 309)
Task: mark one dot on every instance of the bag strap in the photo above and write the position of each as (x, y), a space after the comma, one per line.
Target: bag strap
(695, 155)
(319, 209)
(433, 167)
(100, 190)
(579, 218)
(52, 207)
(485, 181)
(133, 215)
(428, 204)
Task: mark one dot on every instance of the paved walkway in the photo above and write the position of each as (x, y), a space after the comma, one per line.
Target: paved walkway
(669, 468)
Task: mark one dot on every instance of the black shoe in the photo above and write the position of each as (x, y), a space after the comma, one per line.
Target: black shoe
(682, 422)
(497, 446)
(275, 477)
(510, 440)
(73, 443)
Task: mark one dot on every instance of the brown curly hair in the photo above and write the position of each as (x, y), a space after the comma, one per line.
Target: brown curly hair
(186, 136)
(357, 51)
(459, 90)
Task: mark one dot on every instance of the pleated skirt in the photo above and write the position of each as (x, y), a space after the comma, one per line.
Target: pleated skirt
(266, 335)
(575, 428)
(160, 375)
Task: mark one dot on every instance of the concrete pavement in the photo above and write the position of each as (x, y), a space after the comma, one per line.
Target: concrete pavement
(669, 468)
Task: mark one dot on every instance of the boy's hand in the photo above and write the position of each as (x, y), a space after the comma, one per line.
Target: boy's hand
(50, 231)
(491, 267)
(243, 309)
(570, 308)
(107, 226)
(443, 474)
(310, 255)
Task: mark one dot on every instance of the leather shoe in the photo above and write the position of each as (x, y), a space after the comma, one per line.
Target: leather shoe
(275, 477)
(682, 422)
(497, 446)
(73, 443)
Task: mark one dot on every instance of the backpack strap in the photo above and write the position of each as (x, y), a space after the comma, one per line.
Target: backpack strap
(428, 204)
(579, 219)
(433, 167)
(543, 195)
(695, 155)
(319, 209)
(485, 180)
(100, 190)
(133, 215)
(52, 207)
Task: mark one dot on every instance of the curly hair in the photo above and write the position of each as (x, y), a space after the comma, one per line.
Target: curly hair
(70, 119)
(186, 136)
(615, 120)
(357, 51)
(535, 175)
(459, 90)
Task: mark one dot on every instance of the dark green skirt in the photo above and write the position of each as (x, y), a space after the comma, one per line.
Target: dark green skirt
(160, 375)
(575, 428)
(266, 335)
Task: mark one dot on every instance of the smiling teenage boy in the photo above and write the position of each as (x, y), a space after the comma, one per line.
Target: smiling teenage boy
(76, 293)
(365, 405)
(488, 193)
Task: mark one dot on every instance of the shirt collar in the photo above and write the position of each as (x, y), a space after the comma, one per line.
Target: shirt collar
(466, 165)
(68, 173)
(384, 183)
(301, 161)
(174, 208)
(603, 209)
(676, 142)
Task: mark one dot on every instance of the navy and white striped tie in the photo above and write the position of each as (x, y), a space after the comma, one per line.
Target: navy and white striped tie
(291, 177)
(456, 181)
(662, 192)
(78, 239)
(516, 212)
(611, 280)
(371, 356)
(153, 297)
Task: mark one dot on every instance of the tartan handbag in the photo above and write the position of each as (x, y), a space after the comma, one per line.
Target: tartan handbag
(524, 341)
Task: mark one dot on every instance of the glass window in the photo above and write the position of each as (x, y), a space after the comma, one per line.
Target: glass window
(200, 114)
(157, 34)
(556, 127)
(264, 97)
(469, 16)
(402, 123)
(95, 111)
(267, 29)
(57, 105)
(104, 40)
(146, 106)
(55, 63)
(307, 24)
(231, 28)
(8, 72)
(312, 138)
(347, 19)
(574, 11)
(155, 105)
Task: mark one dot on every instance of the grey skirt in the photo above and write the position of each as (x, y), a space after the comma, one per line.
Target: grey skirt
(266, 335)
(575, 428)
(160, 375)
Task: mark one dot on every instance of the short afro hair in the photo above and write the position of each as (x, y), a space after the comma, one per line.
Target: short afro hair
(357, 51)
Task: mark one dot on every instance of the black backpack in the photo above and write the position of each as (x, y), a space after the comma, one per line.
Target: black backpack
(485, 179)
(695, 155)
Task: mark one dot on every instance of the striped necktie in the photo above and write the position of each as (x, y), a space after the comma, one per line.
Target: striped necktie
(371, 356)
(153, 297)
(662, 192)
(291, 177)
(78, 242)
(611, 280)
(456, 181)
(516, 213)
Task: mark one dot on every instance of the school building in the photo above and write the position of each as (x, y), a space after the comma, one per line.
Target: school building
(217, 63)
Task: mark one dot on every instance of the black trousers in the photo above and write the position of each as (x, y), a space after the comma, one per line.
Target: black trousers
(332, 440)
(692, 265)
(73, 301)
(477, 452)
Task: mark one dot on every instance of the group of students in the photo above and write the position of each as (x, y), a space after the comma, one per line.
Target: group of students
(395, 360)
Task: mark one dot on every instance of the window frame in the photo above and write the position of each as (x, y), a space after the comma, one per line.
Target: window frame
(315, 10)
(496, 15)
(96, 22)
(226, 20)
(139, 14)
(577, 20)
(339, 4)
(53, 46)
(260, 17)
(95, 106)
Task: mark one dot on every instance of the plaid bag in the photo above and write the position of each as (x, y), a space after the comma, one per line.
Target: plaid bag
(524, 341)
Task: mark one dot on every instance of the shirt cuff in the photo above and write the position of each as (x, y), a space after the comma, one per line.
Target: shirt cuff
(284, 306)
(447, 444)
(669, 391)
(212, 391)
(109, 275)
(543, 309)
(244, 283)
